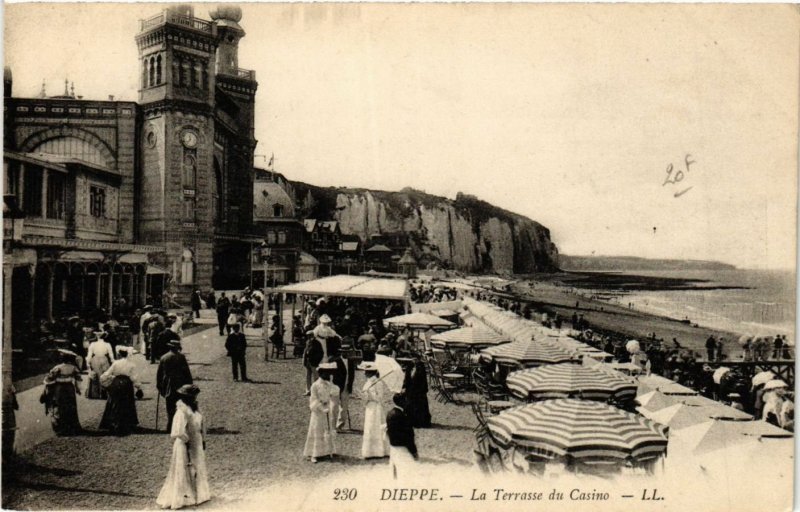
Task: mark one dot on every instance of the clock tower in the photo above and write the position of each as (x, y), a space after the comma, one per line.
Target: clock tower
(197, 140)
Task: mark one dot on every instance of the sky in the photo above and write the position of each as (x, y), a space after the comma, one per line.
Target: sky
(569, 114)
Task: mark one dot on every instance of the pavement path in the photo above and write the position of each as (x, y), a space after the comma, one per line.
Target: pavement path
(33, 426)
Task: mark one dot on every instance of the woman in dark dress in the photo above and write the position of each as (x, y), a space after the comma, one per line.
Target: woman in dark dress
(120, 413)
(417, 395)
(61, 388)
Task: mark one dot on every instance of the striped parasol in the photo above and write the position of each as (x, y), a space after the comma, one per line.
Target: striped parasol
(468, 337)
(583, 430)
(527, 353)
(418, 320)
(566, 380)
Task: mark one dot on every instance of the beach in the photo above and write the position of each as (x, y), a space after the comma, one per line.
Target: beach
(603, 300)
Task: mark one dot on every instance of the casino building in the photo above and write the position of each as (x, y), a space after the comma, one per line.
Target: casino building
(115, 199)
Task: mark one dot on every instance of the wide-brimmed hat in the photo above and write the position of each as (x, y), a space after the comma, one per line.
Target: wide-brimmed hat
(321, 300)
(188, 390)
(147, 306)
(174, 343)
(124, 349)
(325, 319)
(368, 366)
(775, 384)
(326, 367)
(68, 353)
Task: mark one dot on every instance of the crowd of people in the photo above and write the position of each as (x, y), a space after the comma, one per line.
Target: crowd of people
(336, 337)
(340, 336)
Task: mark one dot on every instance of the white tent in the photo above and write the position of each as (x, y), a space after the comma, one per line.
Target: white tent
(350, 286)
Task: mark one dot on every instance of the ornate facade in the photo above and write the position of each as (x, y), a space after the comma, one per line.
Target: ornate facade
(122, 198)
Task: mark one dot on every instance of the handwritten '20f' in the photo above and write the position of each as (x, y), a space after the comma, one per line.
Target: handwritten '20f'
(676, 176)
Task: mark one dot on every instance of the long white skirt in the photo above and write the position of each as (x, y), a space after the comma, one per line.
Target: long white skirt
(186, 484)
(321, 439)
(375, 443)
(400, 461)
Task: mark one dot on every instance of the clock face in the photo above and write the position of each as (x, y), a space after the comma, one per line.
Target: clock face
(189, 139)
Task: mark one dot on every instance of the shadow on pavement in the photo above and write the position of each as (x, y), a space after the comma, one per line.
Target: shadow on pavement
(222, 431)
(53, 487)
(438, 426)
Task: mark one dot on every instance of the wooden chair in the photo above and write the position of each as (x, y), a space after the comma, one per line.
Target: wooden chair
(278, 350)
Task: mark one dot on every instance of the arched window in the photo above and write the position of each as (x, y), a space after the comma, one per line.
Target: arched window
(189, 171)
(198, 76)
(192, 74)
(187, 267)
(184, 73)
(158, 70)
(205, 78)
(144, 73)
(72, 147)
(176, 70)
(152, 80)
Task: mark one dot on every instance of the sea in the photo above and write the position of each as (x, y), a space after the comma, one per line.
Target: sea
(763, 305)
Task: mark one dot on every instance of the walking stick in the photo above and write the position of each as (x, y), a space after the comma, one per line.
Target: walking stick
(158, 398)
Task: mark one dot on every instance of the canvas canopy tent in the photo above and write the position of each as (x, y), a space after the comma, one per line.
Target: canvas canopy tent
(363, 287)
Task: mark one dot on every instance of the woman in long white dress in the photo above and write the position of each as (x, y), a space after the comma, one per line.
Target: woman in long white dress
(187, 480)
(375, 443)
(100, 357)
(321, 438)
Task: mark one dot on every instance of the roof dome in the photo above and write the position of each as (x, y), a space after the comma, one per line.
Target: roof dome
(226, 12)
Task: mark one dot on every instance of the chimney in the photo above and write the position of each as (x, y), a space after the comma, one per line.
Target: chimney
(110, 97)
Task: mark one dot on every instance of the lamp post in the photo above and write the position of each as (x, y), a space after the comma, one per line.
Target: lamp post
(266, 252)
(13, 222)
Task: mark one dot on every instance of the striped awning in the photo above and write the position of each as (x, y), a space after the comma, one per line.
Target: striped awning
(569, 380)
(468, 337)
(527, 353)
(583, 430)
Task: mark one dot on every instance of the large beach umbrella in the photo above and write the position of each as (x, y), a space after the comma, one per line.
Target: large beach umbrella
(418, 321)
(581, 429)
(680, 416)
(527, 353)
(715, 435)
(468, 337)
(654, 401)
(632, 346)
(569, 380)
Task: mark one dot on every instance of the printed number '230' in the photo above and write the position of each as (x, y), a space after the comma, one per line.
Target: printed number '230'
(345, 494)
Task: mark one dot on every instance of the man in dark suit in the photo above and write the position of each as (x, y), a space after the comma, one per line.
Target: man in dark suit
(160, 345)
(236, 345)
(402, 448)
(223, 308)
(173, 372)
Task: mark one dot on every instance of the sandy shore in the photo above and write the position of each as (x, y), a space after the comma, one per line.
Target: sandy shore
(628, 322)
